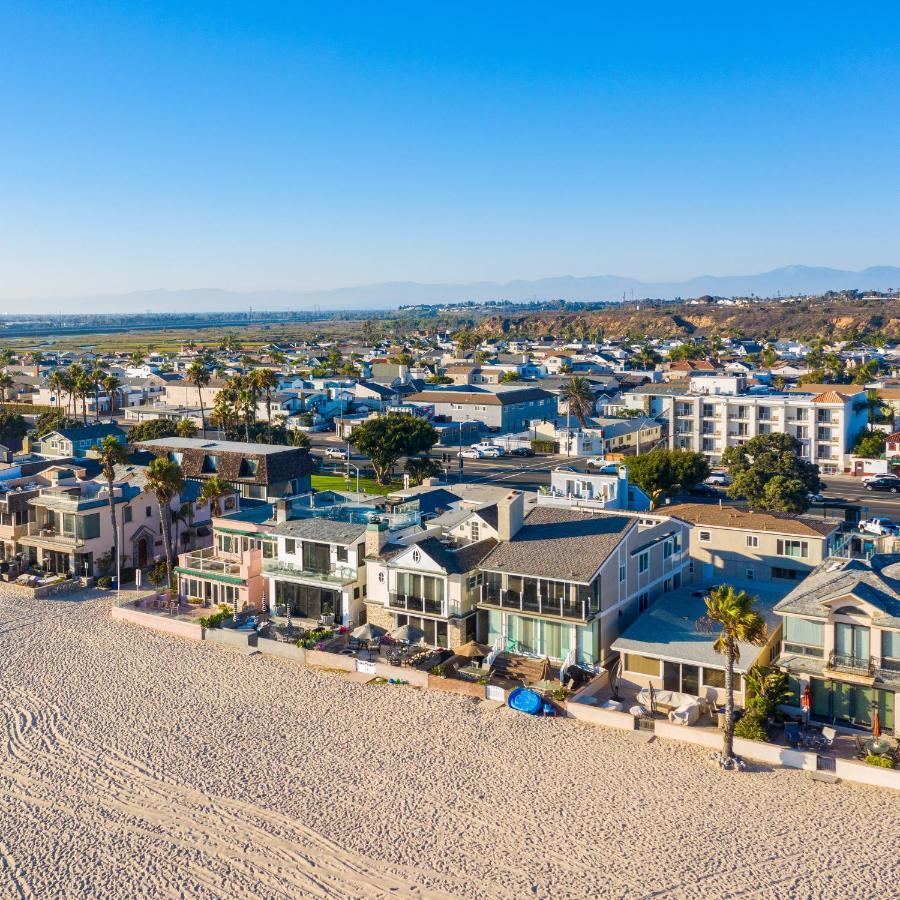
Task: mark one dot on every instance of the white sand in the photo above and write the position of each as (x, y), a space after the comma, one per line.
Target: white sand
(139, 765)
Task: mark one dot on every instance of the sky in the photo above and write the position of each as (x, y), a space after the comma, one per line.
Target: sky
(296, 145)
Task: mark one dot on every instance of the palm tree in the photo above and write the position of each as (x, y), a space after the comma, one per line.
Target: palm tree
(6, 383)
(184, 514)
(646, 356)
(112, 454)
(580, 398)
(83, 388)
(137, 358)
(266, 380)
(111, 385)
(214, 491)
(185, 428)
(198, 375)
(166, 481)
(73, 373)
(298, 438)
(97, 376)
(57, 383)
(739, 622)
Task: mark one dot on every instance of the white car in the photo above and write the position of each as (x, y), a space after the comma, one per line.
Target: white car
(336, 452)
(471, 453)
(886, 477)
(718, 478)
(606, 467)
(878, 525)
(487, 449)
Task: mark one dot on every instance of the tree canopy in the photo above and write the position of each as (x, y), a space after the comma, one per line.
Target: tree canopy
(385, 439)
(663, 471)
(152, 430)
(770, 474)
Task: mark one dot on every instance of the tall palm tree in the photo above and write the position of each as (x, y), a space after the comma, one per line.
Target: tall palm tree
(265, 381)
(646, 356)
(83, 387)
(111, 385)
(165, 480)
(198, 375)
(57, 383)
(112, 454)
(6, 383)
(580, 398)
(183, 515)
(73, 373)
(97, 375)
(214, 491)
(739, 622)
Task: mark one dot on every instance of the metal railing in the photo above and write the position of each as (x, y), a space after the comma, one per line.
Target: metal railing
(337, 574)
(851, 665)
(205, 560)
(411, 603)
(514, 600)
(50, 534)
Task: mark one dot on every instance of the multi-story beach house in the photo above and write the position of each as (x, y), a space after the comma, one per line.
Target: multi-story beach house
(841, 639)
(70, 529)
(562, 580)
(710, 413)
(256, 471)
(76, 442)
(729, 543)
(503, 408)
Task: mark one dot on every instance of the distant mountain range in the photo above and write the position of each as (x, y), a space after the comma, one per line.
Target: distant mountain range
(784, 281)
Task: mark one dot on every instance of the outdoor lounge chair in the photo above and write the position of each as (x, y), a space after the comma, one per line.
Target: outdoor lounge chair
(686, 714)
(828, 736)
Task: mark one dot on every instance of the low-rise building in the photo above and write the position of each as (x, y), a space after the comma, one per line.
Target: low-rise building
(503, 409)
(76, 442)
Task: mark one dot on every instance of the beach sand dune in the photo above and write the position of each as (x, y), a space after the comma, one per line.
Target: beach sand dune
(140, 765)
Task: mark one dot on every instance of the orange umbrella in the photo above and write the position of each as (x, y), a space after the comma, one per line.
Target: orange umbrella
(876, 724)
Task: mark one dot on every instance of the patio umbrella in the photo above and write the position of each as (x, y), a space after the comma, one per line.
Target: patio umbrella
(876, 724)
(472, 650)
(652, 699)
(545, 670)
(368, 632)
(408, 634)
(806, 700)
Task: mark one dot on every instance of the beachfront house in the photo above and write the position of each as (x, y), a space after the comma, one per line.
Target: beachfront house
(729, 543)
(841, 639)
(564, 580)
(76, 442)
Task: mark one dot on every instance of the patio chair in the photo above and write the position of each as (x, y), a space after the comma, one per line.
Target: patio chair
(828, 736)
(792, 735)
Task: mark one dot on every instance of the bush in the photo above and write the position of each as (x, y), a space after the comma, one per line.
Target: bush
(560, 694)
(217, 618)
(883, 761)
(751, 728)
(309, 640)
(104, 581)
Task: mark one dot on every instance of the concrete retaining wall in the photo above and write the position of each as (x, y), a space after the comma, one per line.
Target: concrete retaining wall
(412, 676)
(281, 649)
(861, 772)
(157, 623)
(456, 686)
(593, 715)
(330, 660)
(230, 637)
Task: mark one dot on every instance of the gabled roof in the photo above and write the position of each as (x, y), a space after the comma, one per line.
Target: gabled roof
(757, 521)
(90, 432)
(833, 397)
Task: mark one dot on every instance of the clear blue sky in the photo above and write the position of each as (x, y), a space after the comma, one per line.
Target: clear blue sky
(296, 145)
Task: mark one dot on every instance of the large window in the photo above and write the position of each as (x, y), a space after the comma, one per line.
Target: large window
(890, 649)
(851, 641)
(644, 562)
(793, 548)
(307, 601)
(89, 526)
(642, 665)
(804, 636)
(316, 557)
(713, 677)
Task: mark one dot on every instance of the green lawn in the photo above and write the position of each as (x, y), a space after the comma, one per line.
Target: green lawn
(339, 483)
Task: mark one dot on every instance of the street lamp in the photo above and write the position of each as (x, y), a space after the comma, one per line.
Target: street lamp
(350, 465)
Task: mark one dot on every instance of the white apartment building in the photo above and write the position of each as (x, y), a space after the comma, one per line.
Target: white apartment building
(714, 413)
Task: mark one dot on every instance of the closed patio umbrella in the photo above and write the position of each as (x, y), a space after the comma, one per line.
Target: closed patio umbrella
(876, 724)
(472, 650)
(368, 632)
(545, 669)
(408, 634)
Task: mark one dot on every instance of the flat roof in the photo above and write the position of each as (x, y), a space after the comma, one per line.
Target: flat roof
(213, 446)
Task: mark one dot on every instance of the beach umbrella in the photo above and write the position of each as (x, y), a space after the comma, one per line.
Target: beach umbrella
(368, 632)
(472, 650)
(876, 724)
(652, 699)
(806, 700)
(408, 634)
(545, 669)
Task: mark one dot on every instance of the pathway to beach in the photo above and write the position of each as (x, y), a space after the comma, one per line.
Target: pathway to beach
(140, 765)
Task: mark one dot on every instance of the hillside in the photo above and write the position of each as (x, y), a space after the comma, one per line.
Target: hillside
(807, 319)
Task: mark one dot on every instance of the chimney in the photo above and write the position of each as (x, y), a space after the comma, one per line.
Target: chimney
(281, 510)
(376, 537)
(510, 512)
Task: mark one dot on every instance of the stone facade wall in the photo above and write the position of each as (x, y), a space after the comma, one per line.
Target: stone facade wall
(378, 615)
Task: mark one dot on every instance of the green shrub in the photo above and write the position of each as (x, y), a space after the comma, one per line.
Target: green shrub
(751, 728)
(883, 761)
(104, 581)
(437, 671)
(309, 640)
(560, 694)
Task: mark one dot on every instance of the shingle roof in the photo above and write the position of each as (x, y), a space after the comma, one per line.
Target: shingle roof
(750, 520)
(89, 432)
(560, 543)
(460, 560)
(321, 530)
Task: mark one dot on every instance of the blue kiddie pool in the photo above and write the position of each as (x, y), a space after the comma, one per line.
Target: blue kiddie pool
(525, 700)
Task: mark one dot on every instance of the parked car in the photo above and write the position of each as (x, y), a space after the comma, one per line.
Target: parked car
(336, 452)
(884, 484)
(885, 476)
(814, 498)
(878, 525)
(720, 478)
(488, 449)
(703, 490)
(604, 465)
(522, 451)
(470, 453)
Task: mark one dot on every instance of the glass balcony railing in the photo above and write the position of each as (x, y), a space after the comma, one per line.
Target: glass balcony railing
(336, 574)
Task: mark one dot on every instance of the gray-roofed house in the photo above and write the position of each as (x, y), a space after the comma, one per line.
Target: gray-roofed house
(76, 442)
(565, 580)
(841, 637)
(503, 409)
(668, 647)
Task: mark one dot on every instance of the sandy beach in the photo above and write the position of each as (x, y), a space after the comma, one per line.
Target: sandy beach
(141, 765)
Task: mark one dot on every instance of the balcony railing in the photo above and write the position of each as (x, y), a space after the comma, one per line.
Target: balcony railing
(51, 535)
(335, 574)
(409, 603)
(206, 561)
(852, 665)
(531, 603)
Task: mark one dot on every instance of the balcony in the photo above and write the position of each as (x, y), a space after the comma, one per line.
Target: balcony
(409, 603)
(859, 666)
(530, 603)
(41, 534)
(333, 575)
(205, 562)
